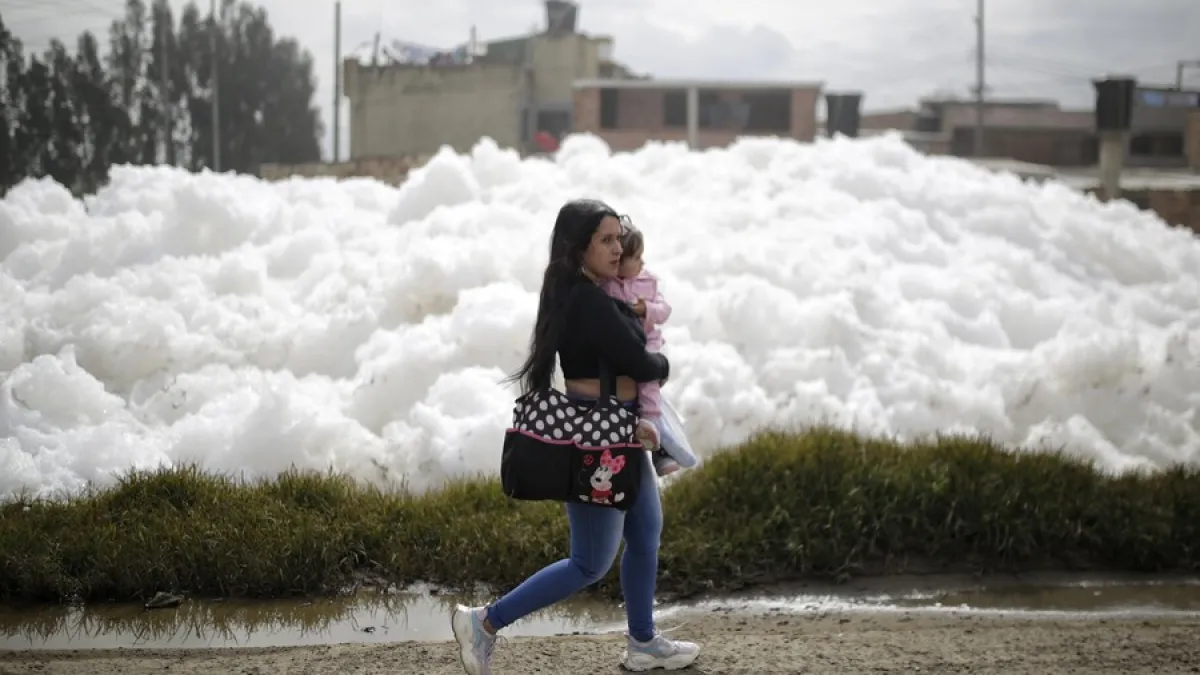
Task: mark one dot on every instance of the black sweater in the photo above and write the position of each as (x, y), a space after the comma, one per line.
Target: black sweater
(598, 326)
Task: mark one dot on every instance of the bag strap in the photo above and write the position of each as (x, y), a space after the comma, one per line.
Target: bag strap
(608, 381)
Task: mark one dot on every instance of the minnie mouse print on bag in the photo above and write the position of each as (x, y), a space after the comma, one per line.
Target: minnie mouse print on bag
(566, 450)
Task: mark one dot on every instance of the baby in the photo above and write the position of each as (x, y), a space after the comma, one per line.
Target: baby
(638, 287)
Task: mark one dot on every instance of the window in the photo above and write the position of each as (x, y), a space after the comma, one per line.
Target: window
(610, 105)
(1157, 144)
(556, 122)
(769, 111)
(674, 109)
(710, 113)
(1139, 198)
(1159, 98)
(962, 142)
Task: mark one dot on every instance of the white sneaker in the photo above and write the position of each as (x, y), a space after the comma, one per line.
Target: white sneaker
(661, 652)
(474, 643)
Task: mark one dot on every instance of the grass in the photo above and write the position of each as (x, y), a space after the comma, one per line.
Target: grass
(819, 504)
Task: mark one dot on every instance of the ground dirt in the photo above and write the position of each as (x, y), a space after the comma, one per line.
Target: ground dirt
(733, 643)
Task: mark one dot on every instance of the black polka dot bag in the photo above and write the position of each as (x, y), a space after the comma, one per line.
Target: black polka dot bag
(559, 449)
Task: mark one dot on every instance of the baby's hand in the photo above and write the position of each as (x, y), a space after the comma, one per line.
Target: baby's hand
(639, 307)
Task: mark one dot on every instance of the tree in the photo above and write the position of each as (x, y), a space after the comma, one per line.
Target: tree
(12, 66)
(128, 45)
(293, 138)
(267, 87)
(150, 99)
(35, 128)
(103, 118)
(195, 41)
(63, 157)
(167, 95)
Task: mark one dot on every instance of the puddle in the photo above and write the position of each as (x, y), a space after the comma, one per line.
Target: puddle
(1090, 598)
(421, 614)
(366, 617)
(1041, 595)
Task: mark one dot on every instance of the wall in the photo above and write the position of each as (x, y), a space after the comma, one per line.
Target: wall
(961, 114)
(413, 110)
(406, 109)
(904, 120)
(391, 170)
(559, 60)
(1051, 147)
(640, 119)
(1172, 115)
(1193, 140)
(1037, 133)
(1180, 208)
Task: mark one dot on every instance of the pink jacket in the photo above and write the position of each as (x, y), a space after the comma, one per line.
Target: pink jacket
(644, 286)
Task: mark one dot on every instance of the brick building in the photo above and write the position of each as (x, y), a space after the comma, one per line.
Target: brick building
(1160, 126)
(1040, 132)
(628, 113)
(1035, 131)
(1193, 140)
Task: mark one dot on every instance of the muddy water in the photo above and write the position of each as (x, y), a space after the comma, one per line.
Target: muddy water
(1035, 595)
(1096, 597)
(422, 613)
(416, 615)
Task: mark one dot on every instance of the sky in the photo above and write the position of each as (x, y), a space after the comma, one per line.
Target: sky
(894, 51)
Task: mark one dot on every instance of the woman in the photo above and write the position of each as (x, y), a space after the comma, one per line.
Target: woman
(580, 323)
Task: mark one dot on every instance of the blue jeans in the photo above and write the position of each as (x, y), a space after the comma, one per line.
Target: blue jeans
(596, 532)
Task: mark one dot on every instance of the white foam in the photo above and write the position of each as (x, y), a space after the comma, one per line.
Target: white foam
(253, 326)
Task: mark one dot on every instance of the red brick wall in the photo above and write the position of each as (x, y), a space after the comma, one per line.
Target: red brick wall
(1052, 147)
(586, 113)
(640, 109)
(904, 120)
(1177, 207)
(1192, 140)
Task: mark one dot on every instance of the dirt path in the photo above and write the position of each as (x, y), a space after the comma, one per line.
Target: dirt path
(884, 643)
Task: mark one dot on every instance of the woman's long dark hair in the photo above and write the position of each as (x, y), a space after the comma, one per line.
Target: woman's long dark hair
(573, 229)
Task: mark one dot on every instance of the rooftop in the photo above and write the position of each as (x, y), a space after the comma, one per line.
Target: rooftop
(697, 83)
(1085, 178)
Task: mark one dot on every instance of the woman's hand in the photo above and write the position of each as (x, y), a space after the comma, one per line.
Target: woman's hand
(639, 307)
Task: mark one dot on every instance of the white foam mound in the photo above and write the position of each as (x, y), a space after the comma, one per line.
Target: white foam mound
(253, 326)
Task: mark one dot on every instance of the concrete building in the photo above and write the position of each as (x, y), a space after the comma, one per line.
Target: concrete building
(1035, 131)
(509, 91)
(1193, 140)
(628, 113)
(1040, 132)
(1160, 126)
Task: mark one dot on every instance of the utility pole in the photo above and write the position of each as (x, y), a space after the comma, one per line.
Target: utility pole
(529, 126)
(164, 32)
(337, 80)
(979, 79)
(216, 87)
(1179, 67)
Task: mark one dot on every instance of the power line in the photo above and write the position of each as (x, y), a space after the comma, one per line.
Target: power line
(1180, 67)
(1064, 71)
